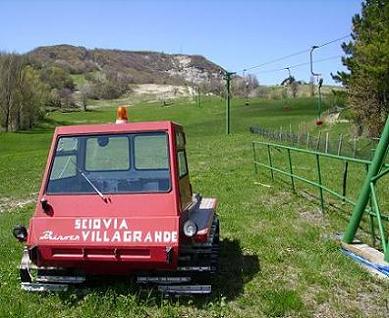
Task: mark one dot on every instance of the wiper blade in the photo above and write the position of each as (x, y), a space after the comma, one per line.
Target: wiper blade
(90, 182)
(92, 185)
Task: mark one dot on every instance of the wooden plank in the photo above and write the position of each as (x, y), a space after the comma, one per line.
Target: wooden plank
(367, 257)
(367, 252)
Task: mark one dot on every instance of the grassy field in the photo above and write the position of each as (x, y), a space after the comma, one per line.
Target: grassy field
(280, 255)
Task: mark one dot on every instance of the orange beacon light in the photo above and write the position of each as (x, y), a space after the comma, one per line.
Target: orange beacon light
(121, 115)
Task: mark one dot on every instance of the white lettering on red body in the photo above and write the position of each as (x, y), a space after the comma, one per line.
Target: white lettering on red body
(51, 236)
(110, 230)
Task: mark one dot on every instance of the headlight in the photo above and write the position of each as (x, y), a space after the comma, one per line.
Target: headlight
(20, 233)
(190, 228)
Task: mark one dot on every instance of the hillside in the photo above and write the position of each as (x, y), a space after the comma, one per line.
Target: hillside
(140, 66)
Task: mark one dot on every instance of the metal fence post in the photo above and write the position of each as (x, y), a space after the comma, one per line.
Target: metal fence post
(270, 162)
(340, 144)
(320, 184)
(327, 142)
(281, 133)
(255, 159)
(318, 141)
(308, 139)
(291, 170)
(345, 173)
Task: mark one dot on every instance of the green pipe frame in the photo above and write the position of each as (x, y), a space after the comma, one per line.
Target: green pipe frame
(377, 170)
(373, 211)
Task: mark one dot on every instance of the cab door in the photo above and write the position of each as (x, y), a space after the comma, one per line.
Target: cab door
(183, 171)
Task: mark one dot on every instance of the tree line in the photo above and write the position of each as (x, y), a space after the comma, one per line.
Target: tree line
(29, 89)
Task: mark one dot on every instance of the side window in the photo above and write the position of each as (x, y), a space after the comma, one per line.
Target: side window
(107, 153)
(65, 159)
(182, 164)
(67, 144)
(180, 139)
(63, 167)
(151, 152)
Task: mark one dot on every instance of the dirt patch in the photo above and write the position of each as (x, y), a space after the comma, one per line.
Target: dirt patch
(159, 91)
(324, 310)
(276, 201)
(313, 215)
(8, 204)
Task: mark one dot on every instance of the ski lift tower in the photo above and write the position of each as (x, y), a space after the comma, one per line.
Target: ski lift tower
(320, 83)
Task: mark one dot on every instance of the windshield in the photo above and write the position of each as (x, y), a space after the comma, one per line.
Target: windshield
(121, 163)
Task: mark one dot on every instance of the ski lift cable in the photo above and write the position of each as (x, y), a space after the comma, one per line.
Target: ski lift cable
(294, 54)
(297, 65)
(333, 41)
(275, 60)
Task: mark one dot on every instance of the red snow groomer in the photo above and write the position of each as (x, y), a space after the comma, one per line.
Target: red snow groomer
(116, 200)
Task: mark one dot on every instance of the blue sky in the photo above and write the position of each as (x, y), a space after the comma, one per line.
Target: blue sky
(235, 34)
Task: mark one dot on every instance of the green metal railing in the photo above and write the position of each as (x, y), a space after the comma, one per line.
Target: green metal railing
(377, 170)
(317, 182)
(341, 145)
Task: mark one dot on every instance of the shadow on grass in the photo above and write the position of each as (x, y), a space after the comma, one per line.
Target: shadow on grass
(236, 269)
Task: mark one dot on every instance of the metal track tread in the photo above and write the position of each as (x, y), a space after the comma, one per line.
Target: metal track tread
(185, 289)
(162, 279)
(194, 268)
(60, 279)
(41, 287)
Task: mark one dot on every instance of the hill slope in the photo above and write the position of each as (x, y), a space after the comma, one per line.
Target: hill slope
(141, 67)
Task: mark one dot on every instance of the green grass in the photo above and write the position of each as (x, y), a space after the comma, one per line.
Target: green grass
(279, 253)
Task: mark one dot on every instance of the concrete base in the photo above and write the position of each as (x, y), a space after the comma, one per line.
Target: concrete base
(368, 257)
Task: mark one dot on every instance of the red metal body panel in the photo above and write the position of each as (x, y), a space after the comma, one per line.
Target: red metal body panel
(118, 205)
(204, 218)
(129, 231)
(114, 128)
(121, 232)
(67, 241)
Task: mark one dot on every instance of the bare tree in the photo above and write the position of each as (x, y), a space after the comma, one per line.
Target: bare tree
(216, 86)
(252, 81)
(10, 78)
(66, 97)
(244, 86)
(86, 92)
(22, 93)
